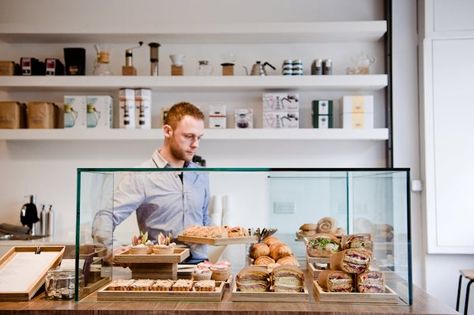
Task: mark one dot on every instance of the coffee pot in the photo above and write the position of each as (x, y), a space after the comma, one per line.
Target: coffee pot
(259, 69)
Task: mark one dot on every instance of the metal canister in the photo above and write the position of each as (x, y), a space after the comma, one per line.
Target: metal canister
(327, 66)
(317, 67)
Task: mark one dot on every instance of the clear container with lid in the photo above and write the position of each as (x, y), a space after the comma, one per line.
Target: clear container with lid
(59, 284)
(204, 68)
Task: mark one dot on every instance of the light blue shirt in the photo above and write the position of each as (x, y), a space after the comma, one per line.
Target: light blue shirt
(163, 203)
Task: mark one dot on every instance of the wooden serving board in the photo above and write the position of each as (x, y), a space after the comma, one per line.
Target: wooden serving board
(23, 270)
(178, 256)
(238, 296)
(218, 241)
(321, 260)
(313, 271)
(196, 296)
(389, 297)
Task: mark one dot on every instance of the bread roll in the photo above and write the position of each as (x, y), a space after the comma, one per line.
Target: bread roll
(326, 225)
(270, 240)
(288, 261)
(259, 249)
(264, 261)
(309, 227)
(279, 250)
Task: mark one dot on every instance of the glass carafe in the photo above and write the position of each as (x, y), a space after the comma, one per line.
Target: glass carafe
(70, 116)
(102, 66)
(92, 116)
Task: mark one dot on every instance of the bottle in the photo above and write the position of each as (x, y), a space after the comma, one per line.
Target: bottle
(29, 215)
(50, 221)
(43, 220)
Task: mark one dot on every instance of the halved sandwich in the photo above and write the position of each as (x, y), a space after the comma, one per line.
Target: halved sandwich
(362, 240)
(287, 278)
(353, 260)
(253, 279)
(322, 245)
(371, 282)
(335, 281)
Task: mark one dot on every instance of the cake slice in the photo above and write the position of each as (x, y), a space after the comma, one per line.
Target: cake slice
(162, 285)
(182, 285)
(205, 285)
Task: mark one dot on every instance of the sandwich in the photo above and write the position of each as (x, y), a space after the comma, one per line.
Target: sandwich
(335, 281)
(322, 245)
(287, 278)
(308, 229)
(253, 279)
(371, 282)
(362, 240)
(353, 260)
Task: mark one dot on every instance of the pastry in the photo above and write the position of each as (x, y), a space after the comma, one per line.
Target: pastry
(309, 227)
(253, 279)
(182, 285)
(259, 249)
(264, 261)
(201, 274)
(120, 285)
(357, 241)
(279, 250)
(287, 279)
(353, 260)
(220, 272)
(206, 231)
(270, 240)
(142, 285)
(162, 285)
(141, 245)
(288, 260)
(236, 231)
(371, 282)
(322, 245)
(326, 225)
(205, 285)
(335, 281)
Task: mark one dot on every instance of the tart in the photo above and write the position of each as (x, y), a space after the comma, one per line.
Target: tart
(182, 285)
(162, 285)
(142, 285)
(205, 285)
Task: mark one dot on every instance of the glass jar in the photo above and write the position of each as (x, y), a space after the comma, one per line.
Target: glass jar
(59, 284)
(204, 68)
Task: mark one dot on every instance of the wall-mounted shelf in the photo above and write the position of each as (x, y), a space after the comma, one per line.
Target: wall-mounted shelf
(209, 134)
(194, 83)
(300, 32)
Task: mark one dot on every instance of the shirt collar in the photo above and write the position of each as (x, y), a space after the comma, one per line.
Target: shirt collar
(160, 161)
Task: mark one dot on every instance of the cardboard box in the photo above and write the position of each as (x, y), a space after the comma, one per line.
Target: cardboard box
(12, 115)
(7, 68)
(358, 120)
(75, 110)
(143, 108)
(278, 120)
(358, 104)
(285, 102)
(217, 116)
(323, 107)
(99, 111)
(42, 115)
(322, 121)
(127, 108)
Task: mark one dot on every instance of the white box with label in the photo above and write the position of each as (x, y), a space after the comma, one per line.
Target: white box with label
(357, 120)
(75, 110)
(143, 108)
(127, 108)
(99, 111)
(286, 102)
(358, 104)
(277, 120)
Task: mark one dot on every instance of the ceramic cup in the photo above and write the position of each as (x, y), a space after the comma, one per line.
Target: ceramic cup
(177, 59)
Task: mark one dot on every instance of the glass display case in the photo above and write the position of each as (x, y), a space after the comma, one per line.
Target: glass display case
(372, 201)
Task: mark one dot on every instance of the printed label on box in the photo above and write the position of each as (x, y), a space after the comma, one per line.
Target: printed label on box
(75, 110)
(278, 120)
(99, 112)
(358, 104)
(127, 113)
(358, 121)
(286, 102)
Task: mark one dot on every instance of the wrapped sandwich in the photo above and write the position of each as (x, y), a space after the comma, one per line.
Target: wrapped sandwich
(363, 240)
(353, 260)
(287, 278)
(253, 279)
(371, 282)
(326, 225)
(322, 245)
(335, 281)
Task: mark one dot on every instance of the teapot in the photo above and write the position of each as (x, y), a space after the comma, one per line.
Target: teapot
(259, 69)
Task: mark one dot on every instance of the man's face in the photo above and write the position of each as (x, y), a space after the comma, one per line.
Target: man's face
(184, 140)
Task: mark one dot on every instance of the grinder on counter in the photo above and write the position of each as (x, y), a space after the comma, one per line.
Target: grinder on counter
(29, 214)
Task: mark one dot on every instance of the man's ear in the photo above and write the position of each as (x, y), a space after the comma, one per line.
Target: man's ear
(167, 131)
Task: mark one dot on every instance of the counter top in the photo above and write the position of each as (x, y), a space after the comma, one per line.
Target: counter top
(423, 304)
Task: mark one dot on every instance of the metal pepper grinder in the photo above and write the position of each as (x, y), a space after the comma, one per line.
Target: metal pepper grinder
(154, 58)
(129, 69)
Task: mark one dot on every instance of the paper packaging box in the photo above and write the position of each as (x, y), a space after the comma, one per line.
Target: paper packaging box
(323, 107)
(217, 116)
(143, 108)
(12, 115)
(42, 115)
(358, 121)
(243, 118)
(278, 120)
(127, 108)
(75, 111)
(286, 102)
(322, 121)
(99, 111)
(358, 104)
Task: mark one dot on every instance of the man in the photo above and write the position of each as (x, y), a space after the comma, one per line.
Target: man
(164, 201)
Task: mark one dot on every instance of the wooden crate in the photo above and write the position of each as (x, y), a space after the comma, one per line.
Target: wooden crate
(178, 256)
(218, 241)
(238, 296)
(196, 296)
(23, 270)
(388, 297)
(312, 270)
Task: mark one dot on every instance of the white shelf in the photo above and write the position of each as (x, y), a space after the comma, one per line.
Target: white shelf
(300, 32)
(194, 83)
(209, 134)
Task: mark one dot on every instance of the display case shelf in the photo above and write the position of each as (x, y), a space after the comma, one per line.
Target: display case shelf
(189, 33)
(210, 134)
(194, 83)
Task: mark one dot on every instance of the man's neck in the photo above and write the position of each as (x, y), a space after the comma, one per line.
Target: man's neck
(166, 154)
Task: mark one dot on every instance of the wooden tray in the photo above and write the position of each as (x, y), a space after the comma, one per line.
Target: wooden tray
(23, 270)
(389, 297)
(321, 260)
(215, 296)
(313, 271)
(178, 256)
(218, 241)
(238, 296)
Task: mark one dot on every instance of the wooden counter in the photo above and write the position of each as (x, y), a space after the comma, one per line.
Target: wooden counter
(423, 304)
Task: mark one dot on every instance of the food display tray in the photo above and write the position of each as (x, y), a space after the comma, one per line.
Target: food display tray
(218, 241)
(238, 296)
(196, 296)
(312, 270)
(23, 270)
(320, 260)
(178, 256)
(388, 297)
